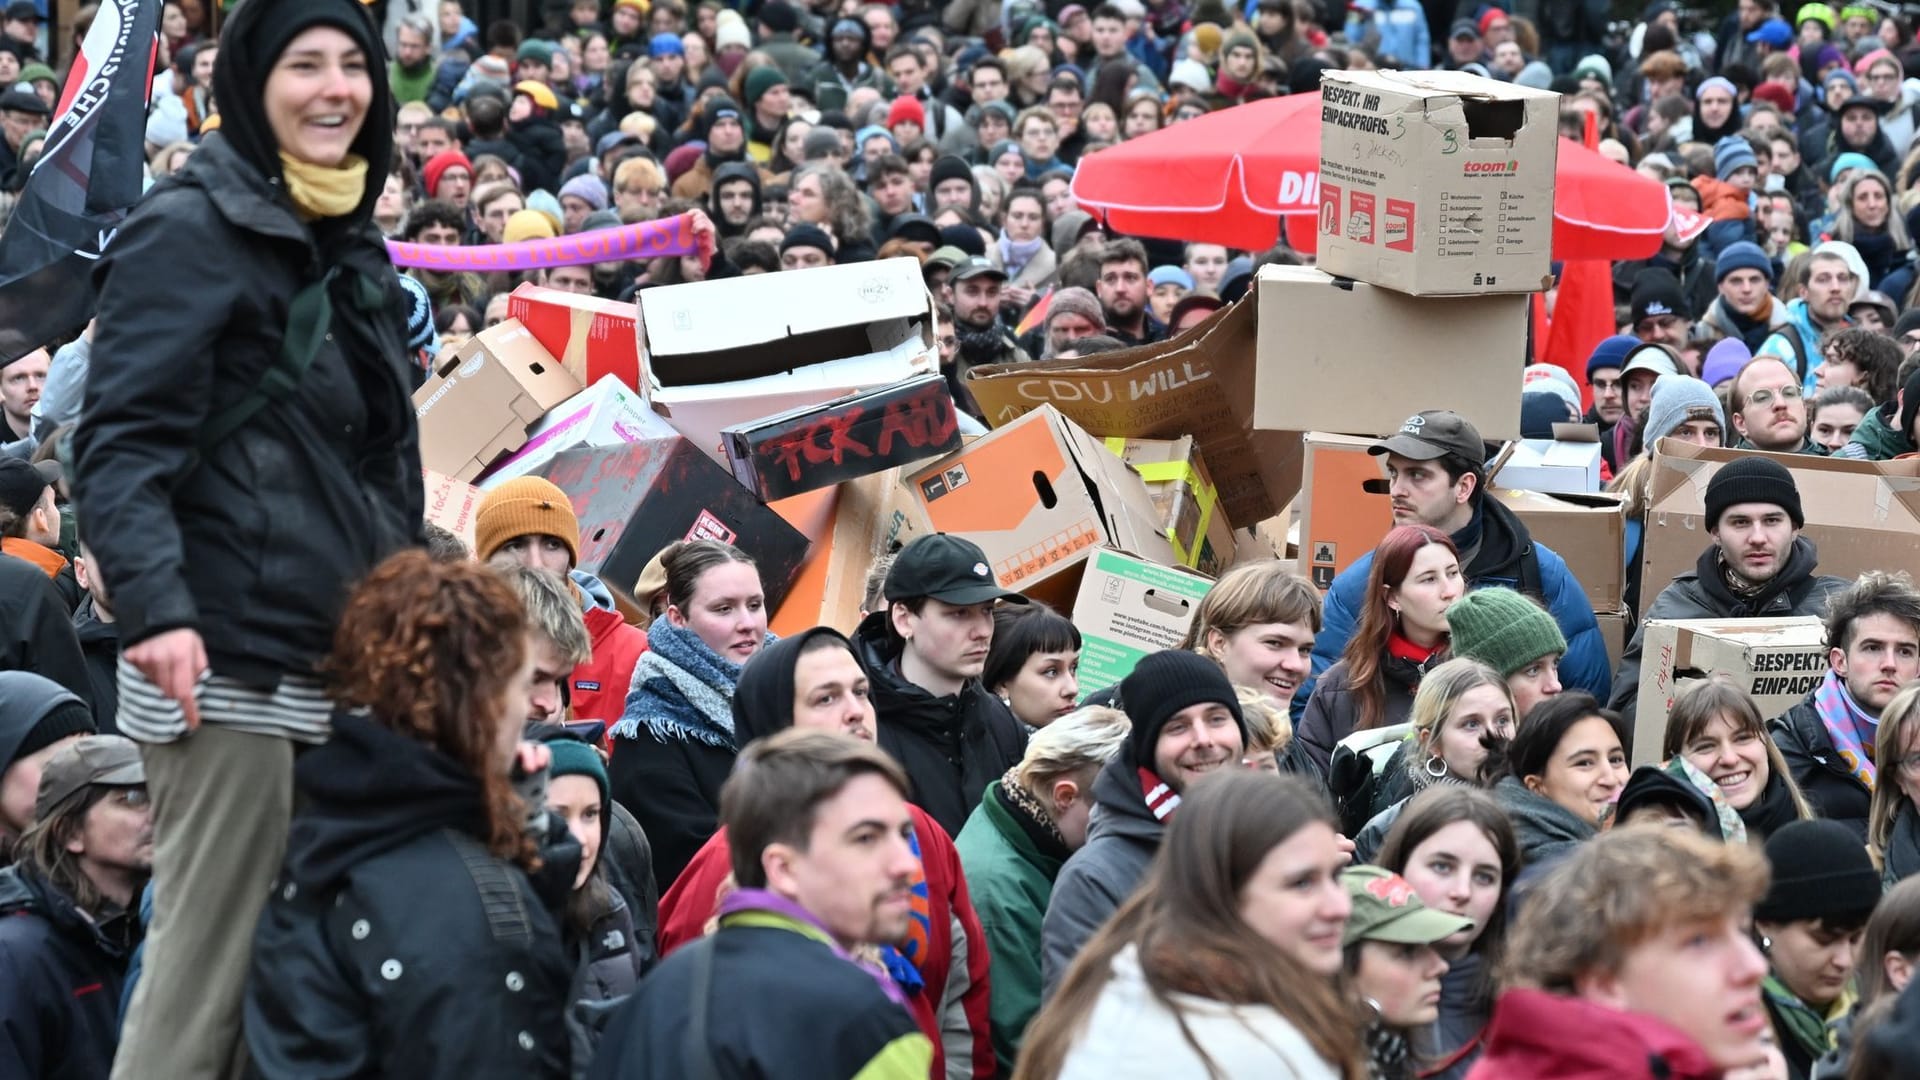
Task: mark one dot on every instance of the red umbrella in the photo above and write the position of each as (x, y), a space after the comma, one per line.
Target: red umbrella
(1229, 177)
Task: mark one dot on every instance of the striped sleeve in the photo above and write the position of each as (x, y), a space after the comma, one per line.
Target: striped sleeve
(297, 709)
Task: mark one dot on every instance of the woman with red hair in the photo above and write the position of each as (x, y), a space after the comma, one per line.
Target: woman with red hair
(1402, 630)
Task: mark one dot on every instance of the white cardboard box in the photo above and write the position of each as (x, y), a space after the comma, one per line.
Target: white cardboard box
(721, 353)
(605, 414)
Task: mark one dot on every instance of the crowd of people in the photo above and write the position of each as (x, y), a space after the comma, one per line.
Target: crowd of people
(294, 784)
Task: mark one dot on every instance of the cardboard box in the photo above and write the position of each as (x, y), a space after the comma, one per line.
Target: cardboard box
(1437, 182)
(872, 516)
(1346, 356)
(720, 353)
(1568, 463)
(1128, 607)
(1340, 520)
(591, 337)
(1200, 384)
(822, 445)
(636, 498)
(477, 406)
(1776, 661)
(1614, 628)
(1588, 531)
(607, 413)
(1038, 496)
(451, 504)
(1186, 497)
(1861, 515)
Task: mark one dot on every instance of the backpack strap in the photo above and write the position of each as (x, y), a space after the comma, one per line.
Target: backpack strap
(1799, 346)
(695, 1051)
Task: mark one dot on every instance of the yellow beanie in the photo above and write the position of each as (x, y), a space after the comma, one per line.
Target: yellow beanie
(1207, 37)
(525, 506)
(528, 225)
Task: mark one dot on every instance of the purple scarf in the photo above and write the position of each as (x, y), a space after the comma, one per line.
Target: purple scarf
(1851, 729)
(761, 900)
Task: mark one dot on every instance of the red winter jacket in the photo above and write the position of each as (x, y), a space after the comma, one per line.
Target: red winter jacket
(1535, 1034)
(951, 1008)
(599, 690)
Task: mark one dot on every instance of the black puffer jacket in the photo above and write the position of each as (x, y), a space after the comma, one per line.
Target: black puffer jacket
(952, 747)
(1816, 766)
(36, 633)
(1334, 709)
(394, 944)
(254, 545)
(60, 978)
(1702, 594)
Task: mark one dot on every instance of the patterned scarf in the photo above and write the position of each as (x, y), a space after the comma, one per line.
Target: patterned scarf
(1851, 729)
(1161, 799)
(1732, 828)
(1033, 817)
(681, 690)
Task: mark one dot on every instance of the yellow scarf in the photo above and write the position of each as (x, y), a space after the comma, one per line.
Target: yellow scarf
(318, 191)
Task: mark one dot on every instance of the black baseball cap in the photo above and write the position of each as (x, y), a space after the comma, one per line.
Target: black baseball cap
(21, 486)
(1434, 434)
(23, 11)
(25, 101)
(975, 267)
(947, 568)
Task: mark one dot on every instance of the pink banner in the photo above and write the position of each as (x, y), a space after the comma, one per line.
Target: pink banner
(643, 240)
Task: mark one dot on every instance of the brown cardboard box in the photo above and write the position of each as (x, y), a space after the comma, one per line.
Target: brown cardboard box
(1776, 661)
(1862, 515)
(477, 406)
(1588, 531)
(1269, 539)
(1339, 519)
(451, 504)
(872, 516)
(1613, 631)
(1184, 494)
(1437, 182)
(729, 351)
(1337, 355)
(1198, 384)
(1128, 607)
(1038, 496)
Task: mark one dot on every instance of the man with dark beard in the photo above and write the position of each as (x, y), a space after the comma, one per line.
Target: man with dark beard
(976, 323)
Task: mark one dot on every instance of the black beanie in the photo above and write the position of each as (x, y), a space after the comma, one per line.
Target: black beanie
(70, 717)
(1909, 404)
(1820, 870)
(950, 167)
(1752, 480)
(1162, 684)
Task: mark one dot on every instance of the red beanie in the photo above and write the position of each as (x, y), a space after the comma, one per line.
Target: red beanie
(907, 109)
(440, 163)
(1489, 17)
(1776, 95)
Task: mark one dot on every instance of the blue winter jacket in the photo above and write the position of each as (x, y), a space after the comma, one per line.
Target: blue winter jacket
(1498, 562)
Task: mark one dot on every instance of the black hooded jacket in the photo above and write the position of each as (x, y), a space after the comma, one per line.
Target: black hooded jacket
(100, 647)
(952, 747)
(61, 974)
(394, 943)
(734, 170)
(36, 633)
(763, 697)
(251, 540)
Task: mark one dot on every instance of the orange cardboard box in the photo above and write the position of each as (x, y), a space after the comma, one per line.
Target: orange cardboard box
(1339, 519)
(1039, 495)
(852, 524)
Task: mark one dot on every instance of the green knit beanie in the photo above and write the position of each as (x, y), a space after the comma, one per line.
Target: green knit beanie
(571, 757)
(1502, 629)
(759, 81)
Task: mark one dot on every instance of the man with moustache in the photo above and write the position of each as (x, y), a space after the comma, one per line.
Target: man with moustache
(1768, 406)
(1186, 724)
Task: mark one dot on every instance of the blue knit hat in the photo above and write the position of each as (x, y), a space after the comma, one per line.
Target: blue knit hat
(421, 333)
(1733, 153)
(1611, 353)
(1850, 160)
(1741, 254)
(665, 45)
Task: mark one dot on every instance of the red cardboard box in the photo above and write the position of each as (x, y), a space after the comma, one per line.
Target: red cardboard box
(817, 446)
(590, 337)
(634, 499)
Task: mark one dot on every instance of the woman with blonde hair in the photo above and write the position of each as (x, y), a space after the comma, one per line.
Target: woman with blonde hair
(1224, 963)
(1717, 740)
(1012, 848)
(1462, 712)
(1893, 817)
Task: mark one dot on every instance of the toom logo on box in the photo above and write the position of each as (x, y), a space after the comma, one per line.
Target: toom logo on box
(1506, 168)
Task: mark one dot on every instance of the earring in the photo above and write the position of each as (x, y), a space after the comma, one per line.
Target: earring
(1436, 768)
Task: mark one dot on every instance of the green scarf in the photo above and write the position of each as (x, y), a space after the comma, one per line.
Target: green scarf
(1806, 1025)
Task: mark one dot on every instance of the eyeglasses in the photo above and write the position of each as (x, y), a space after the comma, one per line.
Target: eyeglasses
(1765, 397)
(1883, 77)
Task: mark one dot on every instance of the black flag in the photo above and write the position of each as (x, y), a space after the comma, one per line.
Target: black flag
(86, 179)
